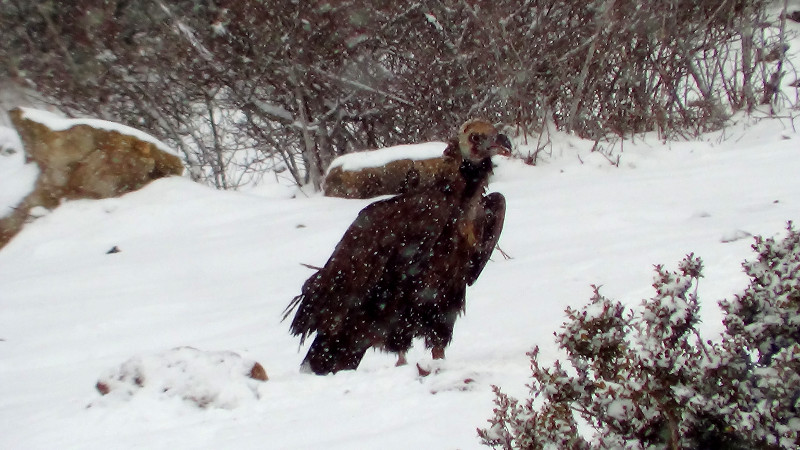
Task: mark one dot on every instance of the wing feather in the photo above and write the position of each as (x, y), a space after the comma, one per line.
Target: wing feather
(385, 238)
(493, 213)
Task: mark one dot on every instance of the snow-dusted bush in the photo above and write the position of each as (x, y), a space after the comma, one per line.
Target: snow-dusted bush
(644, 378)
(762, 345)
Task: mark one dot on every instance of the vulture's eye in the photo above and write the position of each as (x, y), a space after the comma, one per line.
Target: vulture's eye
(474, 138)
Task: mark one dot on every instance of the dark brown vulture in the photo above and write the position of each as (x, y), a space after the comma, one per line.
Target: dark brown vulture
(402, 268)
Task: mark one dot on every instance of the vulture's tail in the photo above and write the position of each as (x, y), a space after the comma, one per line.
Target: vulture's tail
(330, 354)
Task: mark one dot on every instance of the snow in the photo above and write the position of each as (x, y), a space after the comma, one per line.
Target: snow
(273, 110)
(619, 409)
(204, 379)
(58, 123)
(16, 178)
(380, 157)
(214, 270)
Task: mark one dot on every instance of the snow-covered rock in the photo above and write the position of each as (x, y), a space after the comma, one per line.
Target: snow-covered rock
(386, 171)
(205, 379)
(84, 158)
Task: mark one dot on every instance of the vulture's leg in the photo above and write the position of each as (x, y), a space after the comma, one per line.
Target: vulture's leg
(330, 354)
(399, 341)
(438, 330)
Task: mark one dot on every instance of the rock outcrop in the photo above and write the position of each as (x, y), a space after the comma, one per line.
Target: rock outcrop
(84, 158)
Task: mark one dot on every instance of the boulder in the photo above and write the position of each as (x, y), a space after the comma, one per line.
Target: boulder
(387, 171)
(84, 158)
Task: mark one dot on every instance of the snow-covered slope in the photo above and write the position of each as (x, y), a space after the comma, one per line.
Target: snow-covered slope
(16, 177)
(214, 270)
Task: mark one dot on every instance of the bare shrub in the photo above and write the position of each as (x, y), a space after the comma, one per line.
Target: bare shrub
(244, 88)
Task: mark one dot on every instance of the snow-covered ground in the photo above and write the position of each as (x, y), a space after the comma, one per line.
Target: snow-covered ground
(16, 177)
(214, 270)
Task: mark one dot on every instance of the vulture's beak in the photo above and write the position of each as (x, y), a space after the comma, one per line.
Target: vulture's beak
(502, 145)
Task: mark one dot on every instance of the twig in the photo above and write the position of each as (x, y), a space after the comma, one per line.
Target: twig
(505, 255)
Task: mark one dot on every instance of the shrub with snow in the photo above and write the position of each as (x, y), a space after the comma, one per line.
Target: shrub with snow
(761, 348)
(644, 378)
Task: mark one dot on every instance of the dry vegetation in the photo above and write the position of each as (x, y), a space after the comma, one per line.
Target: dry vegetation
(248, 87)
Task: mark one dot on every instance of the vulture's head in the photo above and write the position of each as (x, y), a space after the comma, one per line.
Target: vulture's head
(479, 139)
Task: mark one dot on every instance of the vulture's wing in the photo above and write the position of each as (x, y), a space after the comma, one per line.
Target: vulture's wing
(385, 237)
(492, 215)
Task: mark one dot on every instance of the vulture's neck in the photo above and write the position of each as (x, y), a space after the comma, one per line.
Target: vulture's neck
(476, 176)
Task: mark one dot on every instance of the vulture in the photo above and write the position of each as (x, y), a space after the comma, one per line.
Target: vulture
(402, 267)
